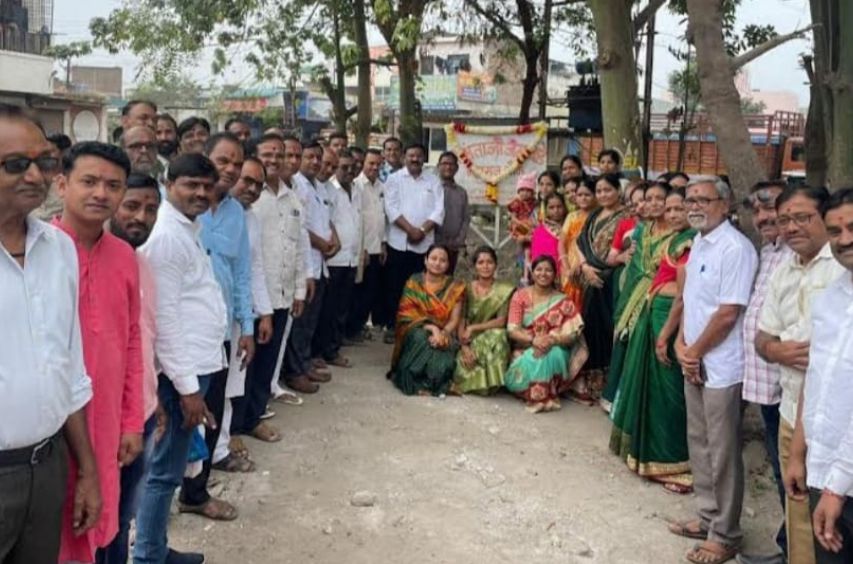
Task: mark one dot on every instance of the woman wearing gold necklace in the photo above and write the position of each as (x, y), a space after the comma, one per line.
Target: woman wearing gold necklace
(545, 330)
(427, 319)
(651, 238)
(484, 355)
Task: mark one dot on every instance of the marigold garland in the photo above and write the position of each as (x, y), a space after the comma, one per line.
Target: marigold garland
(539, 128)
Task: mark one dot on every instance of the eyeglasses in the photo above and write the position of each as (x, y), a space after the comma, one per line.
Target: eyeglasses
(799, 219)
(142, 146)
(19, 165)
(700, 201)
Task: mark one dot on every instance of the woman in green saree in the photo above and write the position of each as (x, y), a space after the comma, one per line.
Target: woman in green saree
(484, 354)
(545, 330)
(649, 416)
(427, 319)
(651, 238)
(594, 244)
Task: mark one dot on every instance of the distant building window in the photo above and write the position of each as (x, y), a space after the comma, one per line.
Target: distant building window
(427, 65)
(454, 63)
(382, 93)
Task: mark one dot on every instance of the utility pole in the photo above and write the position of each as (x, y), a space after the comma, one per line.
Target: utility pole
(647, 94)
(544, 60)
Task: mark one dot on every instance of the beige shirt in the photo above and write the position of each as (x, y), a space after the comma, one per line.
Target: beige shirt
(786, 313)
(372, 213)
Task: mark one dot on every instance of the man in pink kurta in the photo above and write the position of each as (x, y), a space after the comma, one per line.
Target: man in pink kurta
(92, 186)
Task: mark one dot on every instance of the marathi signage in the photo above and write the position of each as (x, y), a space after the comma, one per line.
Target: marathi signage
(495, 156)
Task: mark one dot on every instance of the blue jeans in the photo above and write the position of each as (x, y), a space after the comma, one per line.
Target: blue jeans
(165, 474)
(131, 481)
(770, 415)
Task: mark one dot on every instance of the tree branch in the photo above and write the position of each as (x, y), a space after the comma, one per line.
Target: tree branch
(378, 62)
(646, 14)
(493, 19)
(561, 3)
(741, 60)
(351, 112)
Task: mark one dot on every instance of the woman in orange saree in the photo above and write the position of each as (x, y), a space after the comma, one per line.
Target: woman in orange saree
(429, 313)
(571, 258)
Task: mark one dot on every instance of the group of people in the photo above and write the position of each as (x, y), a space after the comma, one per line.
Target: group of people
(182, 281)
(646, 299)
(187, 281)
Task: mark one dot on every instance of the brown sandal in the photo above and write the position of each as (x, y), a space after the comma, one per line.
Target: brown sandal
(215, 509)
(677, 488)
(341, 362)
(689, 529)
(710, 552)
(266, 433)
(234, 463)
(237, 447)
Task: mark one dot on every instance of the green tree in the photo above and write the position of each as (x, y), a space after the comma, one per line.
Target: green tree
(401, 23)
(272, 36)
(66, 53)
(719, 56)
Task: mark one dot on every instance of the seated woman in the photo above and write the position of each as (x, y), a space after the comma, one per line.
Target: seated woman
(483, 357)
(425, 346)
(545, 330)
(649, 415)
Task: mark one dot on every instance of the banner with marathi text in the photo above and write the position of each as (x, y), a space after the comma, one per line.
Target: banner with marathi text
(492, 157)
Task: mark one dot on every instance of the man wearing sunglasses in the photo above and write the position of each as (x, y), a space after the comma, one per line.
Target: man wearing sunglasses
(784, 331)
(43, 378)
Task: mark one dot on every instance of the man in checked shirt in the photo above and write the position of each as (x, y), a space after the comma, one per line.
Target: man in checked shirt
(760, 379)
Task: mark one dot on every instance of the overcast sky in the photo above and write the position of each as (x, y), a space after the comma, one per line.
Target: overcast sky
(777, 70)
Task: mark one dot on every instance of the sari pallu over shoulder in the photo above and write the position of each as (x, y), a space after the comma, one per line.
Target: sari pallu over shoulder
(418, 306)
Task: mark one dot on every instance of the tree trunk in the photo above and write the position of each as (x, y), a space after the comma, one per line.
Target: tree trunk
(617, 69)
(528, 87)
(815, 138)
(365, 102)
(339, 98)
(841, 84)
(720, 97)
(411, 122)
(545, 63)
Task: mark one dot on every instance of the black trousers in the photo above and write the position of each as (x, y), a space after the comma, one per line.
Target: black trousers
(194, 490)
(31, 499)
(297, 358)
(844, 524)
(401, 265)
(247, 409)
(367, 302)
(329, 335)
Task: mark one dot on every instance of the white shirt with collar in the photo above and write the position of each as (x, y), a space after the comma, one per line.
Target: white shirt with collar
(284, 241)
(318, 216)
(191, 316)
(416, 199)
(828, 393)
(42, 376)
(786, 313)
(373, 223)
(720, 271)
(346, 217)
(260, 295)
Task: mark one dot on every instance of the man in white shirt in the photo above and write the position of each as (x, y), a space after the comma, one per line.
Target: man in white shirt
(301, 374)
(346, 217)
(246, 191)
(414, 205)
(822, 449)
(284, 244)
(367, 301)
(191, 319)
(784, 328)
(44, 381)
(718, 281)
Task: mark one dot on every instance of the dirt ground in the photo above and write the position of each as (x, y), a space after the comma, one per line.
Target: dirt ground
(455, 480)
